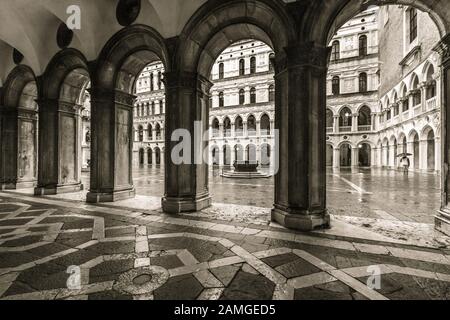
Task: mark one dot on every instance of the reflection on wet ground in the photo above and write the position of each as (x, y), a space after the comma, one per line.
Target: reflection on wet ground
(372, 193)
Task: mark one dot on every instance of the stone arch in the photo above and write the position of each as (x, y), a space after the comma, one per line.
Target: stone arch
(18, 129)
(214, 26)
(115, 72)
(323, 16)
(126, 54)
(345, 152)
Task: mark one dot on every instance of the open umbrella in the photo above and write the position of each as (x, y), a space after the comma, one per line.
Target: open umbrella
(404, 154)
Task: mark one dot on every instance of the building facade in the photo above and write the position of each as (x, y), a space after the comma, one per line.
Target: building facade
(149, 116)
(383, 97)
(241, 113)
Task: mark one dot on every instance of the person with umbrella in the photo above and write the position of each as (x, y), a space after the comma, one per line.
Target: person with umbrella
(404, 161)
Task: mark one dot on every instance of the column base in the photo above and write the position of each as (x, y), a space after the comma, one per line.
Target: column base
(179, 205)
(442, 221)
(98, 197)
(59, 189)
(301, 221)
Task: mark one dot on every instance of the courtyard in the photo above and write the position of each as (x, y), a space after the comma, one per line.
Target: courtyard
(229, 251)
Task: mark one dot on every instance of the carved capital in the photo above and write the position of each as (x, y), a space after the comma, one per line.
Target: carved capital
(306, 54)
(194, 81)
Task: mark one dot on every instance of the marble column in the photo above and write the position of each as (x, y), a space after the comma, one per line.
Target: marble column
(336, 124)
(442, 219)
(355, 157)
(59, 170)
(355, 123)
(111, 146)
(186, 184)
(336, 158)
(300, 99)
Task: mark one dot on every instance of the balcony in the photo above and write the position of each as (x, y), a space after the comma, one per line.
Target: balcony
(345, 129)
(364, 128)
(330, 130)
(417, 110)
(227, 133)
(431, 103)
(251, 133)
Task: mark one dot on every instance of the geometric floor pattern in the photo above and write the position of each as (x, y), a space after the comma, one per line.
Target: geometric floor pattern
(53, 250)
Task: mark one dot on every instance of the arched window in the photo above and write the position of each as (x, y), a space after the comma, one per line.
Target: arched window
(215, 127)
(271, 93)
(141, 133)
(150, 132)
(330, 118)
(271, 62)
(335, 51)
(87, 137)
(412, 24)
(153, 107)
(335, 85)
(157, 156)
(251, 125)
(158, 131)
(345, 120)
(141, 156)
(221, 102)
(417, 93)
(239, 126)
(265, 125)
(363, 82)
(159, 80)
(364, 118)
(227, 127)
(252, 65)
(241, 96)
(431, 88)
(226, 155)
(252, 95)
(241, 67)
(149, 156)
(160, 106)
(250, 151)
(238, 153)
(363, 46)
(152, 85)
(221, 71)
(405, 106)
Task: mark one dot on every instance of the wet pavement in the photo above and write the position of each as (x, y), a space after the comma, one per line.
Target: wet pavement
(366, 193)
(52, 249)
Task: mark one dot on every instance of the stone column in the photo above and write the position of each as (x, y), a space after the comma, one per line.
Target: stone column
(336, 158)
(58, 153)
(442, 219)
(145, 157)
(112, 145)
(300, 99)
(355, 123)
(186, 184)
(355, 157)
(336, 124)
(9, 133)
(423, 90)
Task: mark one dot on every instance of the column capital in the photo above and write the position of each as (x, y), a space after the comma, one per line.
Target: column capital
(177, 79)
(304, 54)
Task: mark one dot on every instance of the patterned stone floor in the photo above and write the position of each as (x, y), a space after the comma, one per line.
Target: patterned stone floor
(52, 249)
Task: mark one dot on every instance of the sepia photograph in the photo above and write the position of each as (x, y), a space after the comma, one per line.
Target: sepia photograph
(224, 156)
